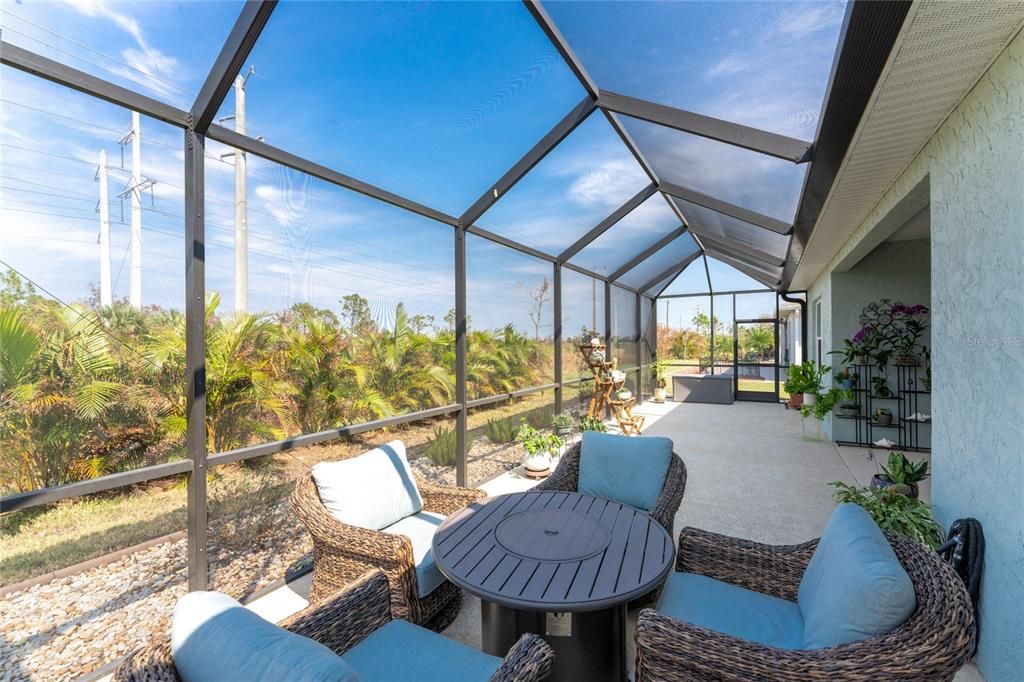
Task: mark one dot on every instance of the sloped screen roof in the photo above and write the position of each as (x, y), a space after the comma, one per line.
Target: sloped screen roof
(621, 139)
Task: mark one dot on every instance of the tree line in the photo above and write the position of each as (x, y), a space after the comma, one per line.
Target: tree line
(87, 390)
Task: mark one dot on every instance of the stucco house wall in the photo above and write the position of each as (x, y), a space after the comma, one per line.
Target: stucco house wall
(974, 169)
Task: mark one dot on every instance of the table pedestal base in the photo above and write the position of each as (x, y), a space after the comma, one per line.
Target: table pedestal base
(595, 651)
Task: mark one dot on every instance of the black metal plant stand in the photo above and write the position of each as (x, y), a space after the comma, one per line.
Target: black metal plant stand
(907, 399)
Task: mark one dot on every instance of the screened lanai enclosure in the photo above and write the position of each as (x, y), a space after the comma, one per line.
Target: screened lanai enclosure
(241, 238)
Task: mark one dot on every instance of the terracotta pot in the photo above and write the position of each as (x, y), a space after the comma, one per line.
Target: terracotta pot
(796, 400)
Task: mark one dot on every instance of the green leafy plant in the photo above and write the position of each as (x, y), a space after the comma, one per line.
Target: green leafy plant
(880, 386)
(442, 448)
(592, 424)
(825, 402)
(536, 442)
(805, 377)
(847, 374)
(661, 369)
(500, 431)
(894, 512)
(882, 411)
(903, 473)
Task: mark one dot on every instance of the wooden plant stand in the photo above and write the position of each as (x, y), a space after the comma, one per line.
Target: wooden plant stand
(605, 386)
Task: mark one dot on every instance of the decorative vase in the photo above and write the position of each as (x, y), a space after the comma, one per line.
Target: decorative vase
(881, 482)
(810, 399)
(660, 395)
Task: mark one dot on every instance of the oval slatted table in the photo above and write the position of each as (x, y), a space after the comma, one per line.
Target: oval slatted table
(559, 564)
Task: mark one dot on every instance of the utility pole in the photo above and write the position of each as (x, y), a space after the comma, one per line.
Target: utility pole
(241, 204)
(106, 297)
(135, 291)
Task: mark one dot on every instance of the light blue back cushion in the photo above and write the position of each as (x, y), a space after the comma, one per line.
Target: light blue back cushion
(215, 639)
(420, 529)
(374, 490)
(401, 651)
(732, 610)
(627, 470)
(854, 587)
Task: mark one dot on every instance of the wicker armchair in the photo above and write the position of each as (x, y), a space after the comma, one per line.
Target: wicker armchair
(566, 476)
(340, 622)
(342, 553)
(932, 644)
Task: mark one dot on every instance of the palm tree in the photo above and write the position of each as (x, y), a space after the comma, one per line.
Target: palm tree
(401, 370)
(65, 413)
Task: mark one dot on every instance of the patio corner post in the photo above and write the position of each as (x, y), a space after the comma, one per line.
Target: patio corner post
(607, 335)
(557, 279)
(195, 358)
(461, 420)
(639, 351)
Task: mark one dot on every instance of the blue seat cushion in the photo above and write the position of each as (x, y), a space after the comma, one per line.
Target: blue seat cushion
(216, 639)
(403, 651)
(373, 490)
(732, 610)
(628, 470)
(420, 529)
(854, 586)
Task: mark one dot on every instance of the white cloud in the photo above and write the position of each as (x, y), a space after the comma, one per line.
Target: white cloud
(803, 19)
(728, 65)
(603, 183)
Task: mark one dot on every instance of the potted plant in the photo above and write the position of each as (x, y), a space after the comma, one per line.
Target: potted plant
(893, 512)
(591, 424)
(901, 475)
(661, 384)
(908, 324)
(883, 415)
(847, 378)
(858, 350)
(540, 448)
(825, 402)
(848, 409)
(880, 387)
(562, 425)
(806, 379)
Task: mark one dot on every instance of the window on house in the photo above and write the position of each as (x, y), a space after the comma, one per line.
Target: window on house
(817, 330)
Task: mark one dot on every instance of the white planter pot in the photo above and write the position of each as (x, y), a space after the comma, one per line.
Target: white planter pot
(538, 462)
(810, 399)
(659, 395)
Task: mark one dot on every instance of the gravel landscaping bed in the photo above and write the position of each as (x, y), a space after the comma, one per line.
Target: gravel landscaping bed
(70, 626)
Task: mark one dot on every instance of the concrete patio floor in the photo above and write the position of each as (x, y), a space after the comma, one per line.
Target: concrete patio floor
(750, 473)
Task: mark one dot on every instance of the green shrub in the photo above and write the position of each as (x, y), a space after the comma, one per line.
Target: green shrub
(501, 431)
(442, 448)
(592, 424)
(894, 512)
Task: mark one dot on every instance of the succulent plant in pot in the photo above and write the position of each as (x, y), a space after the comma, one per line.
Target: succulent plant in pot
(661, 383)
(901, 475)
(591, 424)
(562, 424)
(883, 415)
(806, 379)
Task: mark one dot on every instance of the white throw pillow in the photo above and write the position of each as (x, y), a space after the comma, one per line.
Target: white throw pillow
(374, 490)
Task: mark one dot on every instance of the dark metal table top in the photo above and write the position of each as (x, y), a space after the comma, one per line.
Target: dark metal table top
(553, 551)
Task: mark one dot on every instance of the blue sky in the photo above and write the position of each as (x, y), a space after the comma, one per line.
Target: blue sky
(431, 100)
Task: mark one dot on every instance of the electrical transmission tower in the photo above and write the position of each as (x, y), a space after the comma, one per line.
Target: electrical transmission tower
(241, 200)
(106, 295)
(137, 184)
